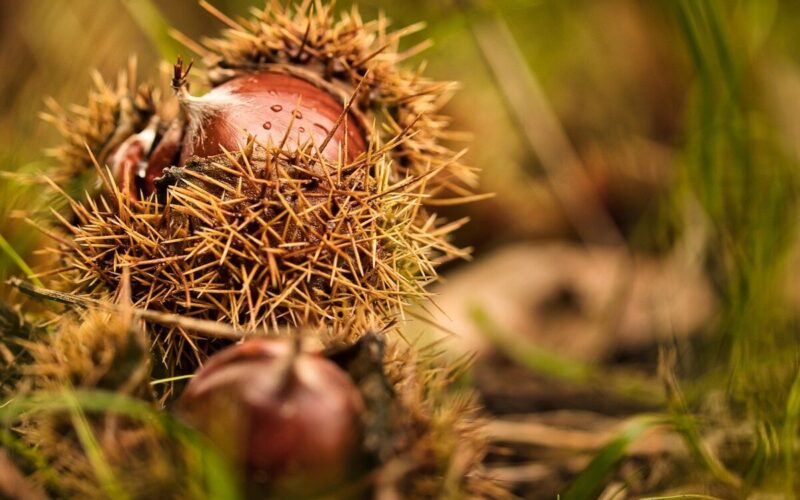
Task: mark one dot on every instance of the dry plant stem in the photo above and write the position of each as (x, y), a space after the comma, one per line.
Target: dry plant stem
(211, 329)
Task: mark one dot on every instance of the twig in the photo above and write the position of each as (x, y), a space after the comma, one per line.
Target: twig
(211, 329)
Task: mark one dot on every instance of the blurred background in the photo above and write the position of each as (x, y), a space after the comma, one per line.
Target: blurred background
(631, 299)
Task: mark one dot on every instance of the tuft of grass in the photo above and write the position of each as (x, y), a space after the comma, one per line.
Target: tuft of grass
(789, 439)
(747, 186)
(214, 475)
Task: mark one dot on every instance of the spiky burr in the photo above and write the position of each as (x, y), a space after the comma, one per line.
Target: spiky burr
(292, 193)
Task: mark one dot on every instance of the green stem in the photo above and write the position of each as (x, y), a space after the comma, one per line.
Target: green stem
(19, 261)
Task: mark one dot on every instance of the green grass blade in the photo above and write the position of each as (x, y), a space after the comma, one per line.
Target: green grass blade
(12, 254)
(789, 436)
(553, 364)
(591, 480)
(691, 436)
(93, 451)
(531, 356)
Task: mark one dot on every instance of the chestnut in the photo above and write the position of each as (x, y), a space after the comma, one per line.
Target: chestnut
(165, 154)
(142, 157)
(275, 108)
(269, 106)
(128, 163)
(290, 418)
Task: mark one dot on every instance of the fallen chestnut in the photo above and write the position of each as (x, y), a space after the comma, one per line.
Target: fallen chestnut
(291, 419)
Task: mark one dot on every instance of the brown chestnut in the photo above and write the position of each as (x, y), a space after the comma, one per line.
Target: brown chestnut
(263, 105)
(142, 158)
(128, 163)
(164, 155)
(290, 418)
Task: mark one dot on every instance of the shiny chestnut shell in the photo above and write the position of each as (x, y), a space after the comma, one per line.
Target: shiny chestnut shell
(262, 105)
(283, 416)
